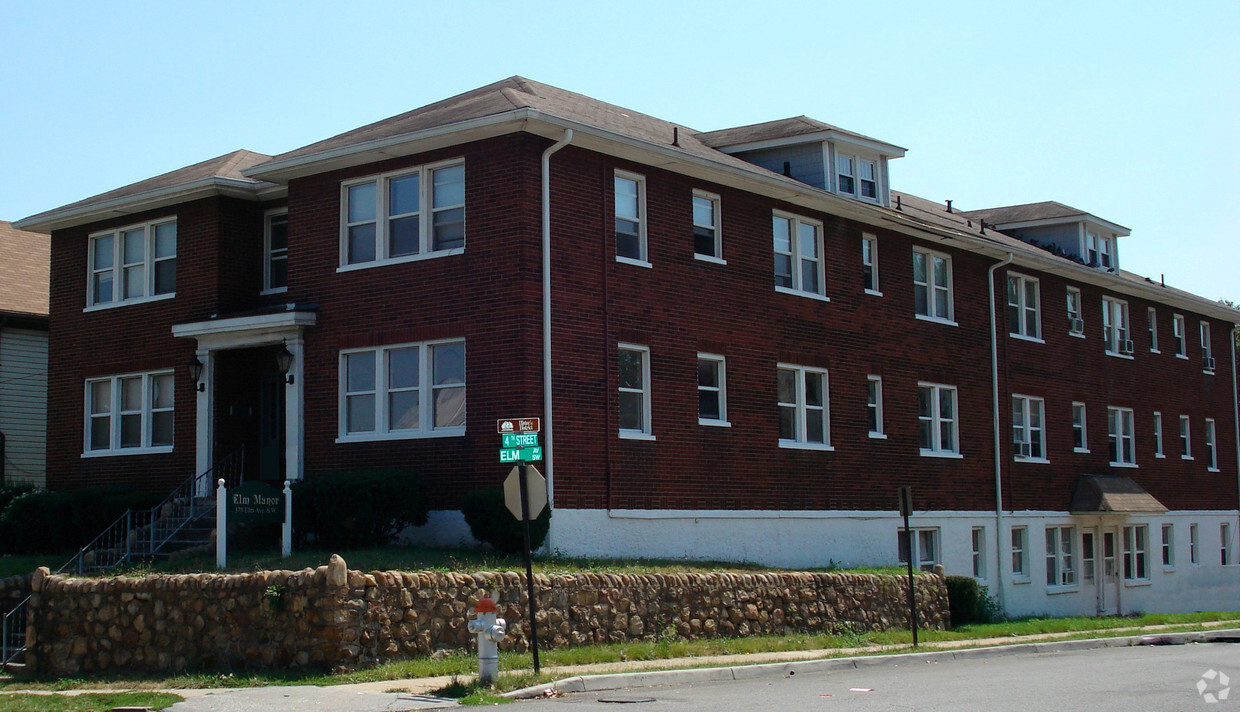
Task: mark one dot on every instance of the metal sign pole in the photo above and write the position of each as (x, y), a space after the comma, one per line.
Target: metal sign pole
(529, 564)
(906, 508)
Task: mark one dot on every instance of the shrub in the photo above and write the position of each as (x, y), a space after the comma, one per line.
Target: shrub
(358, 508)
(61, 521)
(970, 602)
(490, 521)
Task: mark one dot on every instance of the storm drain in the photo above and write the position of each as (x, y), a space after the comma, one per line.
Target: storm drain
(625, 700)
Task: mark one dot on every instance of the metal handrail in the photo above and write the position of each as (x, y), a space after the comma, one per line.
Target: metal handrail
(122, 540)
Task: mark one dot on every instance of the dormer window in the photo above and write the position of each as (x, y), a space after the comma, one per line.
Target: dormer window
(857, 177)
(847, 168)
(1100, 250)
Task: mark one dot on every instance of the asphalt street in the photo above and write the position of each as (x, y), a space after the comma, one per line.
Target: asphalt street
(1100, 680)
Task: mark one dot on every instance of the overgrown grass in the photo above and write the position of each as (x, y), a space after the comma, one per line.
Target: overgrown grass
(400, 558)
(101, 702)
(515, 667)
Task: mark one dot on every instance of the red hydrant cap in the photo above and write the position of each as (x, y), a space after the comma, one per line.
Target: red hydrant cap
(486, 605)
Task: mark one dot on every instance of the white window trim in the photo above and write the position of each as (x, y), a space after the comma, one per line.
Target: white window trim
(881, 433)
(1211, 446)
(1119, 436)
(267, 288)
(717, 212)
(1186, 438)
(930, 287)
(1027, 406)
(1131, 553)
(802, 442)
(1226, 555)
(1021, 576)
(872, 239)
(914, 547)
(1084, 427)
(977, 544)
(1116, 310)
(936, 422)
(643, 258)
(722, 420)
(1080, 314)
(118, 267)
(114, 416)
(1074, 554)
(1158, 435)
(426, 203)
(1021, 307)
(794, 221)
(1207, 347)
(1152, 315)
(1194, 545)
(426, 400)
(647, 431)
(1167, 533)
(1179, 335)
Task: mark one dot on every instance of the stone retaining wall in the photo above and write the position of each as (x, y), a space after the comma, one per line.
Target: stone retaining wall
(335, 618)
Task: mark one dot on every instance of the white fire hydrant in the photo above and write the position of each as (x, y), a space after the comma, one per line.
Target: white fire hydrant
(490, 631)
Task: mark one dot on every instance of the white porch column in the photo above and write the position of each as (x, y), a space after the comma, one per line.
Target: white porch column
(294, 416)
(205, 424)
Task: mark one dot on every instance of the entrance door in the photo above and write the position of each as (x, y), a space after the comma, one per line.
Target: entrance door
(271, 427)
(1108, 582)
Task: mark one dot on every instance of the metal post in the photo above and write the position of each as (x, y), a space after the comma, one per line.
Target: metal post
(529, 564)
(912, 596)
(221, 526)
(286, 549)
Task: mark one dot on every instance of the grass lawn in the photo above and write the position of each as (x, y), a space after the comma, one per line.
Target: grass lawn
(101, 702)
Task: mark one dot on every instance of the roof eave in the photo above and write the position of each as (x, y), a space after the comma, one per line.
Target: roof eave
(1116, 228)
(61, 218)
(885, 149)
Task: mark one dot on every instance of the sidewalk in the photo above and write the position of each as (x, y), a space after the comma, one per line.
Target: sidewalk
(415, 694)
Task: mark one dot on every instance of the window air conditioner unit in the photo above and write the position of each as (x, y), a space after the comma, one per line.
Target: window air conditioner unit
(1023, 449)
(1209, 363)
(1125, 346)
(1076, 325)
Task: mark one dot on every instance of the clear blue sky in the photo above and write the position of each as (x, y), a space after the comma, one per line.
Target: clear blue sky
(1127, 110)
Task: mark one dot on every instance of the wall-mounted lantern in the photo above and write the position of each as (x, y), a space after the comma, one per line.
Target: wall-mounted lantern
(284, 362)
(195, 367)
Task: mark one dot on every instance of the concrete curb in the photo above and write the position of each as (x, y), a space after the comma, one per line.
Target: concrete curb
(652, 678)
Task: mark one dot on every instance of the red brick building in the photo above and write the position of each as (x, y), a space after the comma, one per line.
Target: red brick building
(753, 339)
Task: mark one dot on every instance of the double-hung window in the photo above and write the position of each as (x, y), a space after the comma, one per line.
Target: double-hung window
(1136, 552)
(1060, 556)
(1076, 317)
(1179, 335)
(978, 542)
(275, 250)
(712, 390)
(403, 391)
(925, 548)
(1211, 448)
(1115, 330)
(630, 207)
(1120, 435)
(874, 405)
(1151, 315)
(1207, 353)
(932, 285)
(1168, 546)
(1186, 438)
(937, 421)
(1100, 249)
(1158, 435)
(133, 263)
(1080, 440)
(1224, 535)
(1028, 430)
(129, 414)
(634, 388)
(1024, 314)
(857, 177)
(804, 412)
(1194, 545)
(1020, 545)
(867, 180)
(869, 263)
(845, 174)
(403, 215)
(799, 267)
(707, 243)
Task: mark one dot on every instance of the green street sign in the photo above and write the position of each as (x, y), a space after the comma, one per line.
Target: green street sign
(520, 440)
(513, 454)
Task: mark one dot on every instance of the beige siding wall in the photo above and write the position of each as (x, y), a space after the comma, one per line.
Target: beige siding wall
(23, 403)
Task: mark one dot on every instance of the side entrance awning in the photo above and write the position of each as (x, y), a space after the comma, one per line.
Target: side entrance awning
(1112, 494)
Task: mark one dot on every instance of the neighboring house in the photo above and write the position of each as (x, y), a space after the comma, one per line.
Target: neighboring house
(754, 341)
(23, 355)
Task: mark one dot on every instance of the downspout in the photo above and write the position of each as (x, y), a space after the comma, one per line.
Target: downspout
(546, 317)
(994, 381)
(1235, 407)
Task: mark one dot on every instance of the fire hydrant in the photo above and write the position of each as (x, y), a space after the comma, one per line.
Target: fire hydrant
(490, 631)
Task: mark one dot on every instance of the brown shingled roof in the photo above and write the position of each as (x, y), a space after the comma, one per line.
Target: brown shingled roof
(1029, 212)
(23, 270)
(770, 130)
